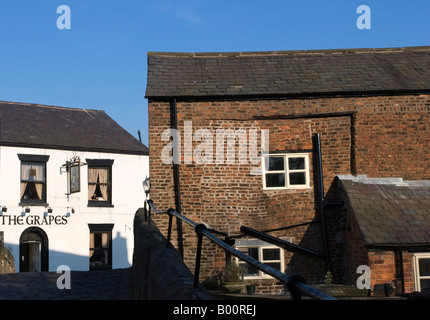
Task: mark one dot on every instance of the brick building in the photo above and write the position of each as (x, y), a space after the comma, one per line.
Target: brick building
(371, 110)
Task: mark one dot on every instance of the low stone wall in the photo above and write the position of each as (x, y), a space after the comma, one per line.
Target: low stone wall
(340, 290)
(159, 272)
(7, 263)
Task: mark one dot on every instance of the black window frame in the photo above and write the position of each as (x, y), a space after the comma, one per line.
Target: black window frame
(100, 229)
(36, 159)
(101, 164)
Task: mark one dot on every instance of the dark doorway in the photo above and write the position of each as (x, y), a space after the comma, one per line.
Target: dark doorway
(33, 250)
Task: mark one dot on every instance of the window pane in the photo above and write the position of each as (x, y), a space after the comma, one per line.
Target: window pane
(253, 252)
(275, 180)
(92, 175)
(99, 258)
(98, 184)
(34, 172)
(425, 286)
(30, 192)
(297, 178)
(103, 175)
(100, 250)
(275, 163)
(424, 267)
(271, 254)
(275, 265)
(296, 163)
(251, 271)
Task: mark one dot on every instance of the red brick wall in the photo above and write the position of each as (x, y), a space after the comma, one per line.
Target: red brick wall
(355, 251)
(386, 137)
(393, 137)
(385, 268)
(382, 266)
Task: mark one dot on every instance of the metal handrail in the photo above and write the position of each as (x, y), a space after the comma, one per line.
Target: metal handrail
(151, 205)
(279, 242)
(295, 283)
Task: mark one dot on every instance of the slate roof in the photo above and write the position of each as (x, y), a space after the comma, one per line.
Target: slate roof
(40, 126)
(390, 212)
(288, 73)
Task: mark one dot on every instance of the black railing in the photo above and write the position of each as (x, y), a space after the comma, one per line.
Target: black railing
(295, 283)
(279, 242)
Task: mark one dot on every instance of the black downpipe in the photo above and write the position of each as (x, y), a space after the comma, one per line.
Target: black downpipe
(402, 274)
(174, 125)
(319, 190)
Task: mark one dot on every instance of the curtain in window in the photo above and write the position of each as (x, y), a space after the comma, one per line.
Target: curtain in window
(100, 242)
(91, 244)
(39, 190)
(92, 178)
(23, 187)
(31, 172)
(103, 179)
(99, 175)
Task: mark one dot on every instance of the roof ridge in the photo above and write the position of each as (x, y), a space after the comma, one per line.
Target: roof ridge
(50, 106)
(396, 181)
(286, 52)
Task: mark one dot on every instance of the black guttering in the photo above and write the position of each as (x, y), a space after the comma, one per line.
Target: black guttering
(319, 95)
(71, 148)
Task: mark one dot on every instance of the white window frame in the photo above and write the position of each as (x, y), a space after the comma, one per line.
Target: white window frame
(417, 277)
(261, 274)
(286, 170)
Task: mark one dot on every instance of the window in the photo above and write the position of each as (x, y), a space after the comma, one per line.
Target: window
(33, 179)
(100, 246)
(99, 182)
(262, 251)
(422, 272)
(281, 171)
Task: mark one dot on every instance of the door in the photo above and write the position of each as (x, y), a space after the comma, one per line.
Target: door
(33, 248)
(31, 256)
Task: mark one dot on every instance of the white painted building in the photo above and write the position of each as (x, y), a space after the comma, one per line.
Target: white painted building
(71, 181)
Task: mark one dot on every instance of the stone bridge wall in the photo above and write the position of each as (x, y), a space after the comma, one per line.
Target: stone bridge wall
(7, 263)
(159, 272)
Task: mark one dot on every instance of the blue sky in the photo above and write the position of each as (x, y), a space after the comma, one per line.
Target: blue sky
(100, 63)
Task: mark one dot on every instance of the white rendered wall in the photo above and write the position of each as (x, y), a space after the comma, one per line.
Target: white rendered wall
(69, 242)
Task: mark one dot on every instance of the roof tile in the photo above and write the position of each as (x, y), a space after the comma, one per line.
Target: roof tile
(40, 126)
(196, 75)
(390, 216)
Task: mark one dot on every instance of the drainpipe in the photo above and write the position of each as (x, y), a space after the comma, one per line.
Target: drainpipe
(174, 125)
(402, 273)
(319, 185)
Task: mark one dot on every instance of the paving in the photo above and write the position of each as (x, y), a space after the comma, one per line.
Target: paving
(84, 285)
